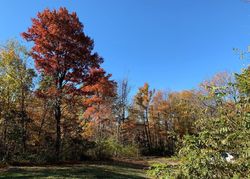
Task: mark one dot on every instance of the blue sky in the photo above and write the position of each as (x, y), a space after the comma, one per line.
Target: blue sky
(171, 44)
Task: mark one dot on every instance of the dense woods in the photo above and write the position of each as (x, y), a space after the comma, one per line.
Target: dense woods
(68, 108)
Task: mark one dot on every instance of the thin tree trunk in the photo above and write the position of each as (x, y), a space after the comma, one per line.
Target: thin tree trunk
(148, 130)
(58, 129)
(23, 120)
(118, 131)
(147, 133)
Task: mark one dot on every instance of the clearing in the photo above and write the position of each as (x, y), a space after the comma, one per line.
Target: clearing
(119, 168)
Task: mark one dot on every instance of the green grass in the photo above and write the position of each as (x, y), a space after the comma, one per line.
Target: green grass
(108, 170)
(118, 169)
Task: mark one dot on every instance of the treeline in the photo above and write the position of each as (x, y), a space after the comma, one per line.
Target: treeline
(68, 108)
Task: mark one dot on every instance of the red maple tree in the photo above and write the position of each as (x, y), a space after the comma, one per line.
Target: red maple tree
(63, 53)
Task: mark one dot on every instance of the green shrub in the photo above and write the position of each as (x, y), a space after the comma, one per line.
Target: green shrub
(201, 157)
(108, 148)
(227, 131)
(159, 170)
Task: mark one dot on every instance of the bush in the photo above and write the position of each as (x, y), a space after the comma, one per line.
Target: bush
(159, 170)
(199, 159)
(201, 154)
(106, 149)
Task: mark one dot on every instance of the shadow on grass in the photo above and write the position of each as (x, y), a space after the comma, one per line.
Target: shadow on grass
(123, 163)
(83, 171)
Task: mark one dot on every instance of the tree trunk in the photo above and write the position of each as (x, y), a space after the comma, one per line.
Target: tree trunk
(148, 130)
(58, 129)
(118, 129)
(23, 119)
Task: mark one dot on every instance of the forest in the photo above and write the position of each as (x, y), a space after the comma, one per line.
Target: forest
(58, 104)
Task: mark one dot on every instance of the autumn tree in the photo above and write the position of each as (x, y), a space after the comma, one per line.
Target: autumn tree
(63, 53)
(183, 111)
(159, 125)
(16, 83)
(142, 101)
(99, 100)
(172, 115)
(122, 106)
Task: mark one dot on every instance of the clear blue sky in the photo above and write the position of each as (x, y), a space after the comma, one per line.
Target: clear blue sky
(171, 44)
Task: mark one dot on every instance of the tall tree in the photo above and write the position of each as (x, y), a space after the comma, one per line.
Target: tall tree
(142, 101)
(159, 120)
(99, 101)
(64, 53)
(16, 82)
(122, 105)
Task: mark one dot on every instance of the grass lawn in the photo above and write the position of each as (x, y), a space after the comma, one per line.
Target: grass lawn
(110, 170)
(119, 168)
